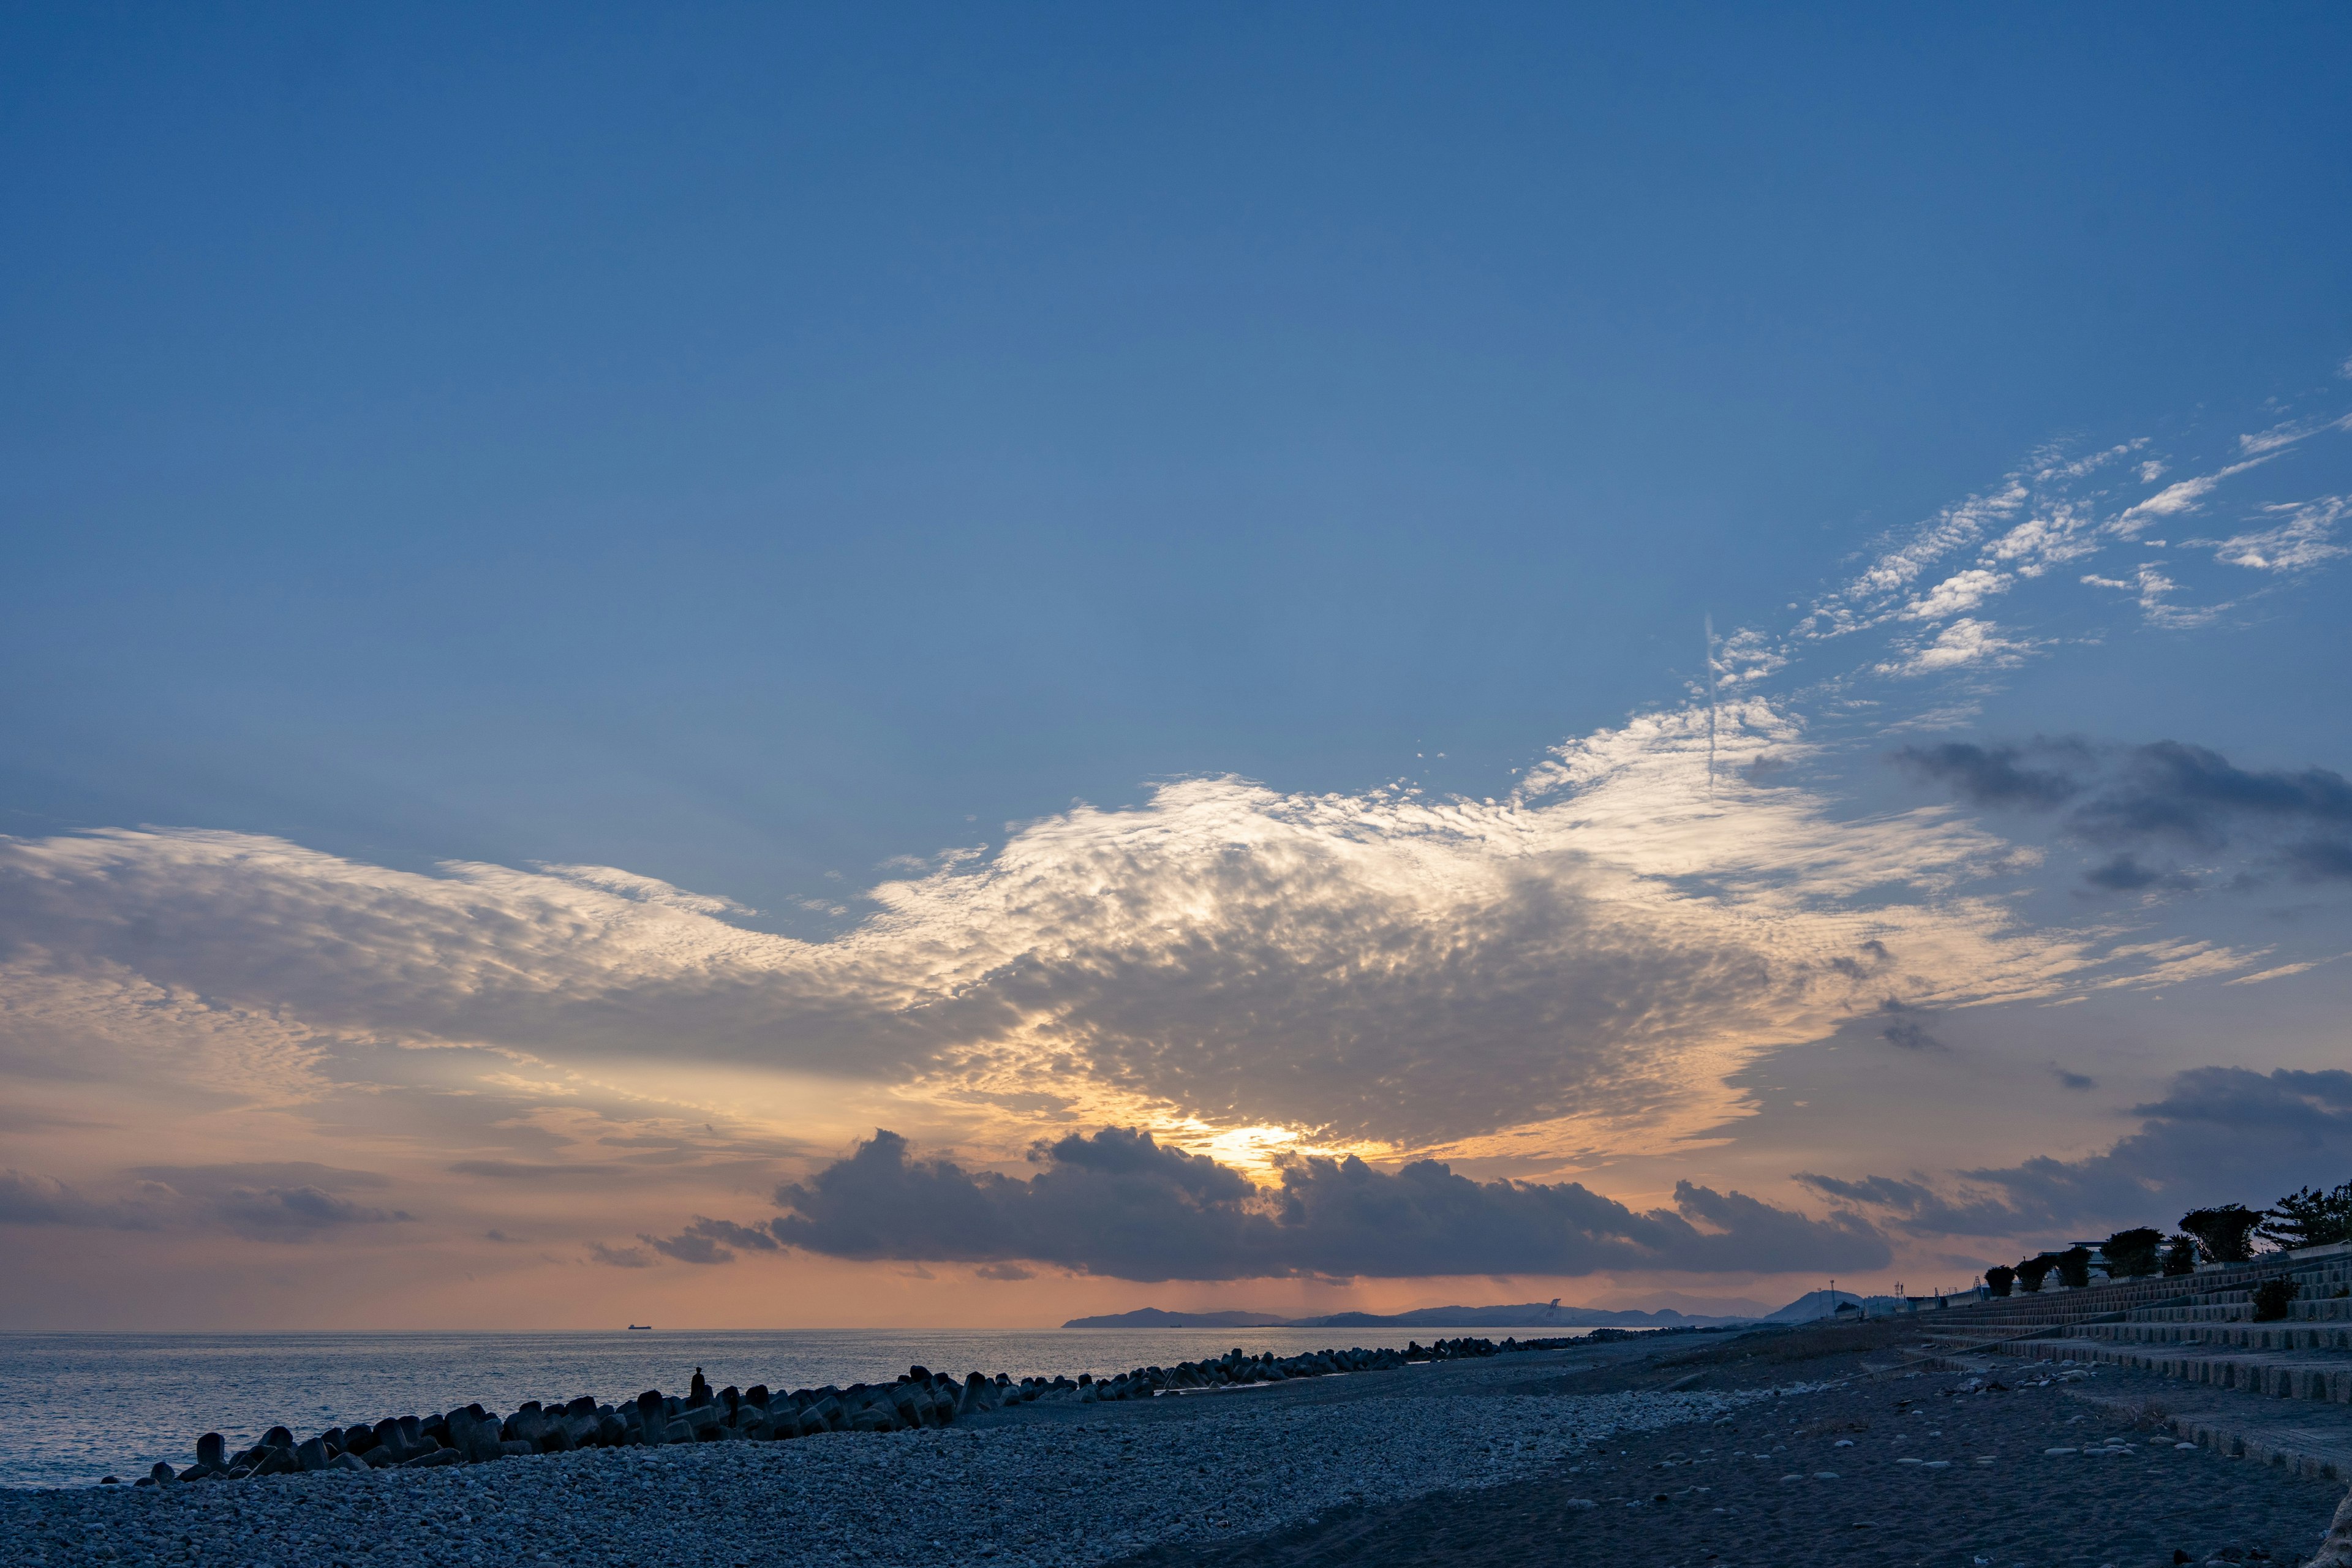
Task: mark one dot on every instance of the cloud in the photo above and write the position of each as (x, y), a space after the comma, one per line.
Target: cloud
(2124, 874)
(528, 1171)
(620, 1257)
(2166, 792)
(1965, 642)
(2303, 537)
(1384, 969)
(2052, 511)
(2218, 1135)
(1994, 775)
(1120, 1204)
(710, 1241)
(2073, 1080)
(1904, 1029)
(286, 1202)
(276, 1200)
(1961, 592)
(29, 1198)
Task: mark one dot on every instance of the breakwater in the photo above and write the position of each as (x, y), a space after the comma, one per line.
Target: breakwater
(917, 1399)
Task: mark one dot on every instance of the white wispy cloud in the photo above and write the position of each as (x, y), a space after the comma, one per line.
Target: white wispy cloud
(1966, 643)
(2303, 537)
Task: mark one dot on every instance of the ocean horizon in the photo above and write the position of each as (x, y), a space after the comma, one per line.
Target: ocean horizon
(77, 1407)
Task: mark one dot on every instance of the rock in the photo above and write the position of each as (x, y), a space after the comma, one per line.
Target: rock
(313, 1455)
(347, 1461)
(210, 1451)
(434, 1459)
(163, 1474)
(2336, 1549)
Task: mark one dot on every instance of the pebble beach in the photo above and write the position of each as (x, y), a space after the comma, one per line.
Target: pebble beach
(1615, 1453)
(1051, 1487)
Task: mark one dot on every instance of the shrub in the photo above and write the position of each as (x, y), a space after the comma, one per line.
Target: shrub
(2309, 1218)
(2035, 1269)
(2000, 1278)
(2270, 1297)
(2224, 1235)
(2131, 1254)
(2074, 1266)
(2179, 1257)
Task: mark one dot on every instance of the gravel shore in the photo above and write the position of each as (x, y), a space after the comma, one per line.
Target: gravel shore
(1868, 1471)
(1079, 1485)
(1687, 1453)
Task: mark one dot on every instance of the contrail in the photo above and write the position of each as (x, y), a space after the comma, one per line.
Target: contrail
(1710, 705)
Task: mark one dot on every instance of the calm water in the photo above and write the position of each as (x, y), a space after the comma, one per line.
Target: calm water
(74, 1407)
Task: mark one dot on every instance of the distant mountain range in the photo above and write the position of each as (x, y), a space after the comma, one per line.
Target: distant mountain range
(1531, 1315)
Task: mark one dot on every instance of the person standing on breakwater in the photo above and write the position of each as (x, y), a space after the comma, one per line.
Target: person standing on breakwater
(700, 1392)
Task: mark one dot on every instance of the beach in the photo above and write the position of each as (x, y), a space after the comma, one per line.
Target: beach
(1674, 1450)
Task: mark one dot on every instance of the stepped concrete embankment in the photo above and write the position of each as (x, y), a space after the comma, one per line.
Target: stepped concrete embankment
(2280, 1390)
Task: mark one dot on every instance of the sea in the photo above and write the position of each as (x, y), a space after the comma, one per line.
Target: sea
(76, 1408)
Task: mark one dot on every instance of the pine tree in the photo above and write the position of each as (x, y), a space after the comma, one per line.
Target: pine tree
(2310, 1217)
(2224, 1235)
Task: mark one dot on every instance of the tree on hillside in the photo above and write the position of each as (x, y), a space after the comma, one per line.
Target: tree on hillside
(2309, 1218)
(1999, 1278)
(2035, 1271)
(2179, 1257)
(2224, 1235)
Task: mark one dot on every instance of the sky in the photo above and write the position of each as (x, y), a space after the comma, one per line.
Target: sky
(891, 665)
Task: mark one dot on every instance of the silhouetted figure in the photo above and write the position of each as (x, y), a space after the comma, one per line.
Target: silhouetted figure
(700, 1393)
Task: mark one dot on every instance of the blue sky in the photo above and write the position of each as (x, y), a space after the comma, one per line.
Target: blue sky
(747, 448)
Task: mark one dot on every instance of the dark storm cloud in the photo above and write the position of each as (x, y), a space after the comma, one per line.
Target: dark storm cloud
(2130, 798)
(1121, 1205)
(2218, 1135)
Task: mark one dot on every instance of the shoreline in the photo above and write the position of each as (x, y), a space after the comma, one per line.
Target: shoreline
(1669, 1452)
(134, 1399)
(1062, 1484)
